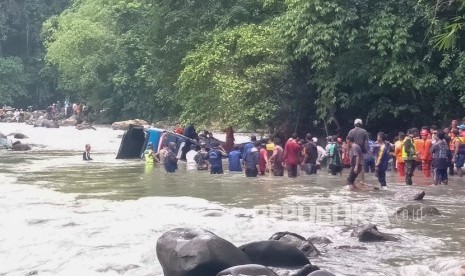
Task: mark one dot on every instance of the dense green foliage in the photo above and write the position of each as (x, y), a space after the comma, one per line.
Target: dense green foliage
(25, 79)
(279, 64)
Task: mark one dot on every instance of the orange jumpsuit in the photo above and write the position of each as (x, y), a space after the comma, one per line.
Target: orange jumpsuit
(423, 150)
(399, 160)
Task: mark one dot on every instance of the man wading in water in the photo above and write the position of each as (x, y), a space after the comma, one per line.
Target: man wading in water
(356, 158)
(360, 137)
(86, 154)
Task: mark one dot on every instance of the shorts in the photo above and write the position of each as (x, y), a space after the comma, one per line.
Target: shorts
(216, 170)
(460, 160)
(353, 175)
(440, 175)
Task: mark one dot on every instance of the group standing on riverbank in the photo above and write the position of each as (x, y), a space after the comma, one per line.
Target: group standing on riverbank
(437, 153)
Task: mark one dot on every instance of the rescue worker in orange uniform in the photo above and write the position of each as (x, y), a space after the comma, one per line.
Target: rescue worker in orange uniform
(424, 153)
(398, 153)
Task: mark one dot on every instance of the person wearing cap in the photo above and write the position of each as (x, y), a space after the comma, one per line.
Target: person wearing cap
(424, 152)
(171, 161)
(360, 135)
(382, 159)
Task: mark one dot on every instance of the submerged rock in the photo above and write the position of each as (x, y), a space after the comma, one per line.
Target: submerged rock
(274, 253)
(18, 146)
(370, 233)
(85, 126)
(319, 240)
(321, 273)
(195, 252)
(351, 247)
(298, 241)
(247, 270)
(20, 136)
(408, 194)
(413, 211)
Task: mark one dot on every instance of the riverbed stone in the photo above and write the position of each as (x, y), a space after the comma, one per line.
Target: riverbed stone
(298, 241)
(413, 211)
(18, 146)
(85, 126)
(319, 240)
(20, 136)
(274, 253)
(409, 194)
(195, 252)
(71, 121)
(321, 273)
(124, 125)
(370, 233)
(247, 270)
(351, 247)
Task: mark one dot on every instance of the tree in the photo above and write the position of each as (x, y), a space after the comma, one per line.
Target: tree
(13, 78)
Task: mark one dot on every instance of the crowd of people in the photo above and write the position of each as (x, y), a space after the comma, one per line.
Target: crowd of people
(435, 152)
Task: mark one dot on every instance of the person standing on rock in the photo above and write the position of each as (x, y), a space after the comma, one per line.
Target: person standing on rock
(86, 154)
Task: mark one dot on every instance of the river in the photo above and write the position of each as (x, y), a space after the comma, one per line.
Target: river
(62, 216)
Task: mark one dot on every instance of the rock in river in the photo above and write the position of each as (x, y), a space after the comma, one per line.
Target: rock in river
(274, 253)
(298, 241)
(124, 125)
(408, 194)
(414, 211)
(195, 252)
(370, 233)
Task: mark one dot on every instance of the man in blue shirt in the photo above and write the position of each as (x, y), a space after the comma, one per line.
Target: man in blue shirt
(251, 161)
(249, 145)
(215, 156)
(235, 160)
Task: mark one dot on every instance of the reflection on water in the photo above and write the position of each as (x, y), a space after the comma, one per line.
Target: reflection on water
(60, 215)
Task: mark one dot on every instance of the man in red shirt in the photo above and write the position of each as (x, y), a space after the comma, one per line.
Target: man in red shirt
(292, 155)
(179, 129)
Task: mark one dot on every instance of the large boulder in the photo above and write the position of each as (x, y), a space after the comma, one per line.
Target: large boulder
(42, 122)
(409, 194)
(370, 233)
(196, 252)
(298, 241)
(274, 253)
(414, 211)
(71, 121)
(247, 270)
(18, 146)
(124, 125)
(19, 136)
